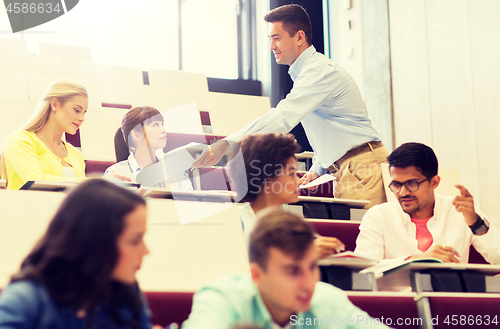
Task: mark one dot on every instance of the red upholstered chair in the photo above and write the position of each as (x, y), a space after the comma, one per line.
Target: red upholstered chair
(74, 139)
(389, 307)
(464, 306)
(346, 231)
(169, 307)
(475, 257)
(97, 167)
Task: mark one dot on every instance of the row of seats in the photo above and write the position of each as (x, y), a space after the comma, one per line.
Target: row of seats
(175, 307)
(113, 90)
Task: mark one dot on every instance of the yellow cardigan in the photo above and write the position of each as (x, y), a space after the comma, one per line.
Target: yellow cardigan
(27, 158)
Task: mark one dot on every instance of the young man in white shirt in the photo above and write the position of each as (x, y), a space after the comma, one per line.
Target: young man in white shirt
(328, 103)
(423, 224)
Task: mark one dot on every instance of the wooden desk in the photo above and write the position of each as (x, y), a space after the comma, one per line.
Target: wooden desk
(414, 275)
(329, 208)
(182, 257)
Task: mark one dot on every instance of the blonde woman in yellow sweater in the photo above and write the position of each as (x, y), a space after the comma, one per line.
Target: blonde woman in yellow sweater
(37, 151)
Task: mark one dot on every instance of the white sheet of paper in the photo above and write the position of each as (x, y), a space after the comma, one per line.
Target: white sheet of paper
(318, 181)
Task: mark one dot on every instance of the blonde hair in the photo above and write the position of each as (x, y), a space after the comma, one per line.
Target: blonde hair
(63, 90)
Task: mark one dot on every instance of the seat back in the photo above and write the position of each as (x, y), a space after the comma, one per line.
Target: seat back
(346, 231)
(169, 307)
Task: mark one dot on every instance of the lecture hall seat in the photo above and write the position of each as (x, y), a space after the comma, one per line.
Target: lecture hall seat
(170, 307)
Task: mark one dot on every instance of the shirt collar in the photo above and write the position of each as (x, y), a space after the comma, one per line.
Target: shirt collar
(262, 309)
(133, 163)
(296, 66)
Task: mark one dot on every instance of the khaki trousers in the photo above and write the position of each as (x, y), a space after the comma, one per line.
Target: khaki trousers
(359, 175)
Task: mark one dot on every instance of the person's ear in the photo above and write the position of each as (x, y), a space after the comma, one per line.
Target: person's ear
(435, 181)
(136, 136)
(54, 104)
(257, 273)
(301, 37)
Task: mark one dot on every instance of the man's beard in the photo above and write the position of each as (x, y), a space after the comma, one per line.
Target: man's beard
(409, 211)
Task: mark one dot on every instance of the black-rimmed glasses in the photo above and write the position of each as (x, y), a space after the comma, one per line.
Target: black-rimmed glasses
(411, 185)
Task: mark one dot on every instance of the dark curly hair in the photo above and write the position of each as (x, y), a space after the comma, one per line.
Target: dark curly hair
(415, 154)
(263, 155)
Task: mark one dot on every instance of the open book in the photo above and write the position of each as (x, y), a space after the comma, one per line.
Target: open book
(347, 259)
(387, 266)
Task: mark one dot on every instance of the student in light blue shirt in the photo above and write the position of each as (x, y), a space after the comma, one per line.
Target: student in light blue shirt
(328, 103)
(282, 288)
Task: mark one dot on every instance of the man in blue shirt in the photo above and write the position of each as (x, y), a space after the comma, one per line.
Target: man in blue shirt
(328, 103)
(282, 288)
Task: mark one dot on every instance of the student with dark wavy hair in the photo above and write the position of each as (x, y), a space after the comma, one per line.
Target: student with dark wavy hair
(140, 143)
(81, 273)
(270, 180)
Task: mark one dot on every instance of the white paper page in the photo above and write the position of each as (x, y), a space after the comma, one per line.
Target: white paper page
(318, 181)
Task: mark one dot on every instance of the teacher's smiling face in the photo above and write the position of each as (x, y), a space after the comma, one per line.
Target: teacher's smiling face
(286, 48)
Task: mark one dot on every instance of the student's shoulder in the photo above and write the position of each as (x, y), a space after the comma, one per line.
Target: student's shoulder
(22, 294)
(328, 299)
(121, 167)
(383, 209)
(237, 283)
(327, 294)
(22, 287)
(21, 135)
(234, 289)
(23, 302)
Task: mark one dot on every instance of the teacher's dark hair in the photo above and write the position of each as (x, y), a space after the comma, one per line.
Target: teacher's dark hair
(76, 256)
(294, 19)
